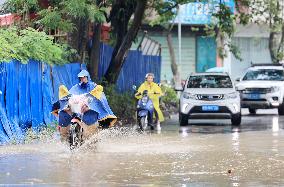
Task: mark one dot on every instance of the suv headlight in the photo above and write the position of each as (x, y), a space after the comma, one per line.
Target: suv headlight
(188, 96)
(233, 95)
(275, 89)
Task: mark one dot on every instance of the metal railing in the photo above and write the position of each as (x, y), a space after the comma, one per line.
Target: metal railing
(148, 46)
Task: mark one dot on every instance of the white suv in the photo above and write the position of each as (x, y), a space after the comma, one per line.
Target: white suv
(209, 96)
(262, 87)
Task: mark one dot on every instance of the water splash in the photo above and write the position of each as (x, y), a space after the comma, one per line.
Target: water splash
(45, 135)
(106, 135)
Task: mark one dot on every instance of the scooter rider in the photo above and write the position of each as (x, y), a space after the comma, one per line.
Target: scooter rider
(154, 92)
(97, 111)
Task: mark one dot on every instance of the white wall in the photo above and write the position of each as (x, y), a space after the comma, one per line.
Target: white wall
(2, 1)
(252, 41)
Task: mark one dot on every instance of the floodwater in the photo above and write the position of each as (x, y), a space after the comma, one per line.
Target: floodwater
(197, 155)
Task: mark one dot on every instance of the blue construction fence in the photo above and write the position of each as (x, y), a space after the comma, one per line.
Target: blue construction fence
(27, 91)
(134, 69)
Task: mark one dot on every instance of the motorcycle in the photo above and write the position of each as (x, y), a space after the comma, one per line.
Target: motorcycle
(145, 111)
(78, 106)
(75, 133)
(75, 106)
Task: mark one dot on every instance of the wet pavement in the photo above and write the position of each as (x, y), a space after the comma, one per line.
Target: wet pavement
(198, 155)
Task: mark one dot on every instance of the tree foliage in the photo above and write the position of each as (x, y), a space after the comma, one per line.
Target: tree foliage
(21, 7)
(271, 13)
(222, 26)
(125, 16)
(70, 16)
(25, 44)
(60, 14)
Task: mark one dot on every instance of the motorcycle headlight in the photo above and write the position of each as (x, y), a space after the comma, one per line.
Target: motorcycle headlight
(233, 95)
(275, 89)
(144, 100)
(188, 96)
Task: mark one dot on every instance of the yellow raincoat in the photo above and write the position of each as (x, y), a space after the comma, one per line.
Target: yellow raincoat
(152, 88)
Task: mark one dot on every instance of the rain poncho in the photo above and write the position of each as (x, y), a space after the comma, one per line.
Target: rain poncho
(152, 88)
(99, 108)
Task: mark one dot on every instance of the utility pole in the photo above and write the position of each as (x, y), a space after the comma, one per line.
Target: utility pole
(179, 47)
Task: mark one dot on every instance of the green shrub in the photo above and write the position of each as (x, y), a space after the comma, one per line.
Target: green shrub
(123, 105)
(169, 102)
(170, 95)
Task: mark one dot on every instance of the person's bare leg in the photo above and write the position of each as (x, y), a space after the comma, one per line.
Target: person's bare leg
(157, 121)
(89, 130)
(64, 133)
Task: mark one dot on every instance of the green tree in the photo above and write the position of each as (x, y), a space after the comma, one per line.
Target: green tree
(25, 44)
(270, 12)
(70, 16)
(125, 16)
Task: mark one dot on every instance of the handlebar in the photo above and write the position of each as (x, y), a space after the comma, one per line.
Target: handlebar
(155, 93)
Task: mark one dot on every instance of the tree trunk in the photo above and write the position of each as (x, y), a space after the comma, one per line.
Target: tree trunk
(77, 38)
(280, 46)
(174, 65)
(84, 39)
(273, 47)
(95, 52)
(120, 52)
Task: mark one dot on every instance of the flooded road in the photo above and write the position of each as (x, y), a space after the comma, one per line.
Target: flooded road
(197, 155)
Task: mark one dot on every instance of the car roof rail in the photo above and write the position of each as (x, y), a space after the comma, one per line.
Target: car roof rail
(267, 64)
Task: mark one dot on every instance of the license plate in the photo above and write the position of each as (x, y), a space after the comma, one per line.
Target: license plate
(210, 108)
(254, 96)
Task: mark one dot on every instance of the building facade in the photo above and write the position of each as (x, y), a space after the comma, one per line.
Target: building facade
(198, 52)
(253, 42)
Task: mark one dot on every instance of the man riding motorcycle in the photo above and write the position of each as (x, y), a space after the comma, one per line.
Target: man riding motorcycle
(154, 92)
(95, 113)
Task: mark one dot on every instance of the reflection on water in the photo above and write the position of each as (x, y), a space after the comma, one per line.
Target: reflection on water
(198, 155)
(235, 141)
(275, 124)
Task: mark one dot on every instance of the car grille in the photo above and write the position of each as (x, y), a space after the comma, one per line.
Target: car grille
(198, 109)
(207, 97)
(264, 100)
(257, 90)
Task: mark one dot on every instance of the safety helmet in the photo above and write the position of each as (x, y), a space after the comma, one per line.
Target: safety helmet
(150, 74)
(83, 73)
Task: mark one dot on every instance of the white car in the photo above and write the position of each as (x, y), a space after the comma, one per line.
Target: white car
(209, 96)
(262, 87)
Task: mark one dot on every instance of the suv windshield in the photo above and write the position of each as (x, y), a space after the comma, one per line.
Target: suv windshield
(209, 81)
(264, 74)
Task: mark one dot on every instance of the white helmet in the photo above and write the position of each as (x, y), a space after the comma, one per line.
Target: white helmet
(150, 74)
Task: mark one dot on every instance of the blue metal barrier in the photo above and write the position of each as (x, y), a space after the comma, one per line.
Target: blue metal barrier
(27, 91)
(24, 97)
(134, 69)
(47, 94)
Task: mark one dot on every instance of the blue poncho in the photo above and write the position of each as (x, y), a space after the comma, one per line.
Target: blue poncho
(99, 108)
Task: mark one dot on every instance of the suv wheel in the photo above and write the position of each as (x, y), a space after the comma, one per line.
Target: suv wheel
(236, 119)
(183, 119)
(252, 111)
(281, 109)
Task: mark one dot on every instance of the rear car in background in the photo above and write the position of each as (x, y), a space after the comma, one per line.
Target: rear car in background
(262, 87)
(209, 96)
